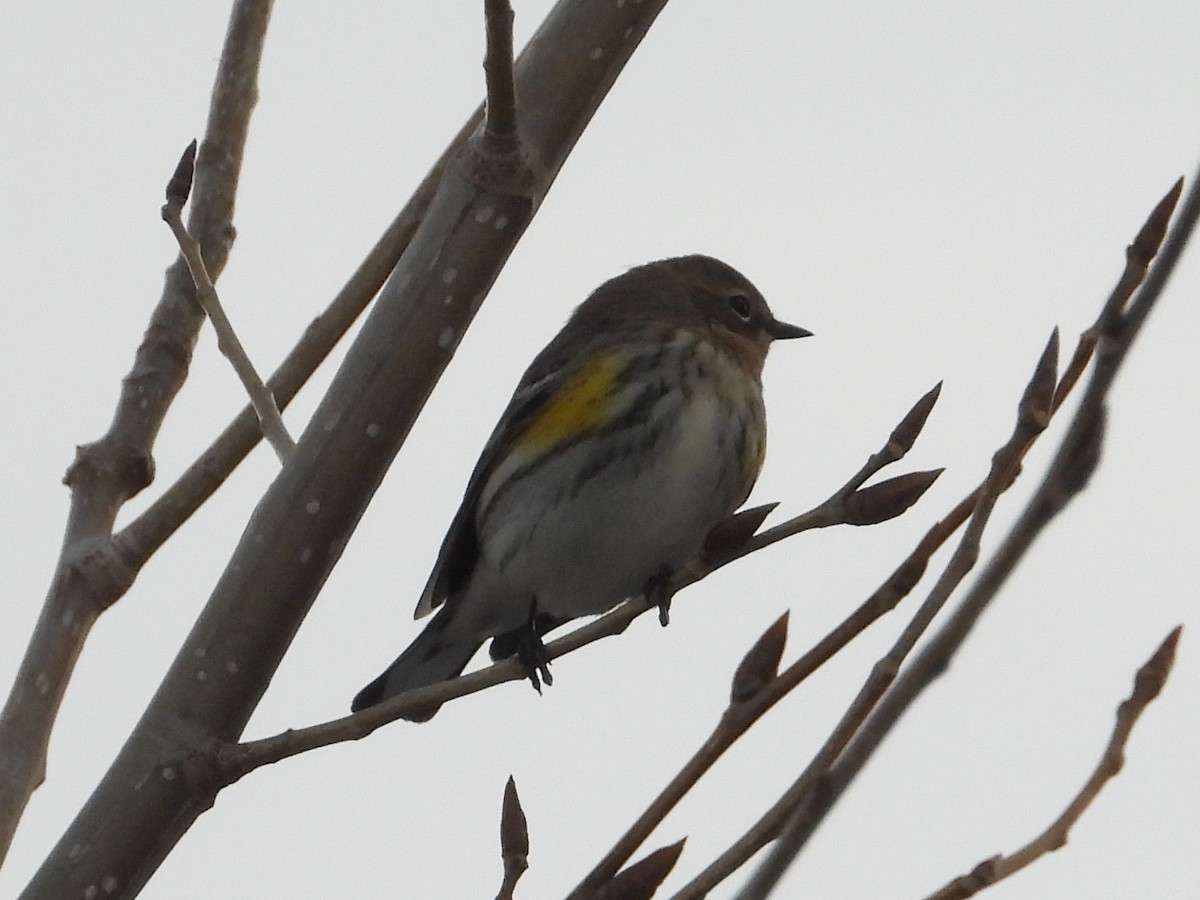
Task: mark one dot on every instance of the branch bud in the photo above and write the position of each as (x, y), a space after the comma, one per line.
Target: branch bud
(888, 499)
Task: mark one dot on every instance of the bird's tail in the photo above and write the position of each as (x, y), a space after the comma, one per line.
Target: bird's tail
(439, 652)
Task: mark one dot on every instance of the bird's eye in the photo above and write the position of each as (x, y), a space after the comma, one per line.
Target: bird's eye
(740, 304)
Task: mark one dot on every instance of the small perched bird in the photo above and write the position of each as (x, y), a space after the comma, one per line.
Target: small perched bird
(636, 431)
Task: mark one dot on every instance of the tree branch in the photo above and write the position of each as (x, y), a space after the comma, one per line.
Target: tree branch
(90, 575)
(304, 520)
(228, 342)
(1146, 687)
(1032, 414)
(228, 763)
(1068, 473)
(142, 537)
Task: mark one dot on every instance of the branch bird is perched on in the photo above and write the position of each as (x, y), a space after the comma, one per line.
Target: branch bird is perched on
(637, 430)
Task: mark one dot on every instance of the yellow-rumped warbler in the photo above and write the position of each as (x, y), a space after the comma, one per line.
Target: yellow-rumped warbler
(637, 430)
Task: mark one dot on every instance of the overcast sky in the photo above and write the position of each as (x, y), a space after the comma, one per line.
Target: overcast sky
(930, 188)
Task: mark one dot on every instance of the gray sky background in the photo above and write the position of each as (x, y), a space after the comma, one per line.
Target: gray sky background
(930, 188)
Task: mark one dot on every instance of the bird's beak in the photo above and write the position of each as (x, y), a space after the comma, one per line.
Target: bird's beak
(782, 330)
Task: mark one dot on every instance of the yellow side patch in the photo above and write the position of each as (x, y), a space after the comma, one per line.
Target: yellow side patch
(585, 401)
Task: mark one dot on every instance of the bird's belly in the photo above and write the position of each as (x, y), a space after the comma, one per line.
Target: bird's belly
(594, 522)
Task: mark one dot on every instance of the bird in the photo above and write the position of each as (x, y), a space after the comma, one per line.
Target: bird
(635, 432)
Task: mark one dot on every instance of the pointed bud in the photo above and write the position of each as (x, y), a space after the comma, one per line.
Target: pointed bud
(906, 433)
(1037, 403)
(1145, 246)
(514, 835)
(760, 665)
(1153, 675)
(888, 499)
(180, 185)
(514, 840)
(644, 877)
(730, 535)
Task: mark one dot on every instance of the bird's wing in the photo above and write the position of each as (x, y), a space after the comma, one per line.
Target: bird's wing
(538, 388)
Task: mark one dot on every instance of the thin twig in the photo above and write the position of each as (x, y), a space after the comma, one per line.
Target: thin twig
(261, 397)
(236, 760)
(1146, 687)
(499, 160)
(1067, 474)
(1138, 256)
(737, 720)
(137, 542)
(500, 119)
(1032, 416)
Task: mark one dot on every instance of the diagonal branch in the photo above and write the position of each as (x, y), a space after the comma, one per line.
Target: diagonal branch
(304, 520)
(233, 761)
(1032, 416)
(89, 576)
(811, 795)
(1146, 687)
(142, 537)
(1068, 473)
(228, 342)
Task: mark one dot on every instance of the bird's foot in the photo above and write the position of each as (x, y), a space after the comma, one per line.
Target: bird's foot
(532, 654)
(658, 591)
(525, 643)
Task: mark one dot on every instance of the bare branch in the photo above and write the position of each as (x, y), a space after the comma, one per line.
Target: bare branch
(306, 516)
(139, 540)
(742, 713)
(236, 760)
(1034, 411)
(1138, 256)
(1146, 687)
(91, 574)
(1069, 469)
(500, 120)
(206, 295)
(500, 160)
(809, 786)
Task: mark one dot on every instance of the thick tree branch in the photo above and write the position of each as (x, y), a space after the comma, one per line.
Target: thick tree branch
(304, 520)
(90, 576)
